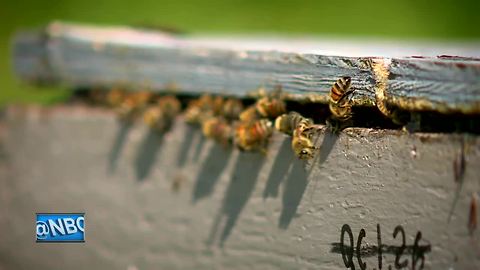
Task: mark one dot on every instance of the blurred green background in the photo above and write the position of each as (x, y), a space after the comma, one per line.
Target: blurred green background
(407, 19)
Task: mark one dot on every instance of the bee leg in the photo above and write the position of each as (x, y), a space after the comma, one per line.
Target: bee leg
(334, 125)
(330, 123)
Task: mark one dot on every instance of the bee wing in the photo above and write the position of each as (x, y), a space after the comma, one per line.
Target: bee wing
(347, 94)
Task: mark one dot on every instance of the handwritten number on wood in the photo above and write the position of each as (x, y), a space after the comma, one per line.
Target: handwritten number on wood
(400, 250)
(347, 256)
(417, 253)
(361, 235)
(379, 243)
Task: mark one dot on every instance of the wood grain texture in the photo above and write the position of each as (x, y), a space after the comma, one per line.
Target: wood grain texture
(85, 56)
(443, 84)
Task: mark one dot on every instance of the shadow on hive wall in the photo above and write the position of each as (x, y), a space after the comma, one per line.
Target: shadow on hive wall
(286, 170)
(147, 154)
(238, 192)
(118, 144)
(211, 170)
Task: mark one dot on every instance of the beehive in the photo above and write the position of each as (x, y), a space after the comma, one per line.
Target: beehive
(177, 200)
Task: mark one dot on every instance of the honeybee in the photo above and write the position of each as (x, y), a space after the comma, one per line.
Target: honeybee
(160, 116)
(115, 97)
(199, 109)
(254, 135)
(218, 105)
(287, 123)
(301, 129)
(302, 145)
(218, 129)
(250, 114)
(395, 115)
(270, 107)
(339, 102)
(170, 105)
(154, 117)
(133, 104)
(232, 108)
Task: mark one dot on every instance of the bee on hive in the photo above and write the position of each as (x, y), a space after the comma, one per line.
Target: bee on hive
(287, 123)
(302, 145)
(301, 129)
(154, 117)
(339, 102)
(250, 114)
(160, 116)
(115, 97)
(232, 108)
(250, 136)
(170, 105)
(133, 104)
(272, 104)
(218, 105)
(398, 117)
(270, 107)
(199, 109)
(217, 128)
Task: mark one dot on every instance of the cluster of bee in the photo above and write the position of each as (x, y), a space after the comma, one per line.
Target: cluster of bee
(226, 120)
(157, 112)
(255, 126)
(215, 115)
(302, 129)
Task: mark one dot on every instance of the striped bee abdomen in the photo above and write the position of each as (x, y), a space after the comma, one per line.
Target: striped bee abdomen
(340, 89)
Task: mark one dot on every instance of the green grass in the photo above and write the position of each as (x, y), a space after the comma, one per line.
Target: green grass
(405, 19)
